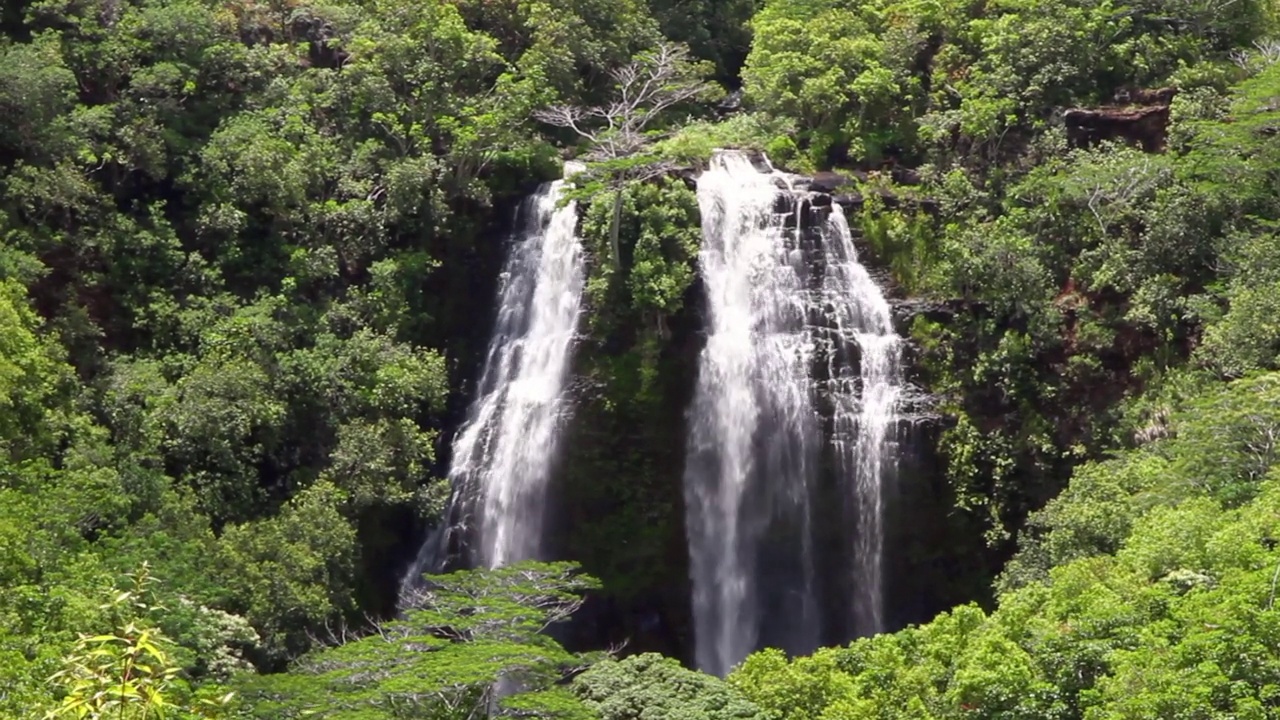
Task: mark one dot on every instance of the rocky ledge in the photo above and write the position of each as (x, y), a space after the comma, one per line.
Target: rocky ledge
(1139, 117)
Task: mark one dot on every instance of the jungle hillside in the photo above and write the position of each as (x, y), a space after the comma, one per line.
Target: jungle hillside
(251, 261)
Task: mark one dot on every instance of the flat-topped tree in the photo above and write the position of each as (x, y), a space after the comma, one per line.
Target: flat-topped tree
(471, 644)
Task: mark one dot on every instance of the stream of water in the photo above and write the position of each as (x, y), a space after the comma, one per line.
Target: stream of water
(504, 455)
(801, 360)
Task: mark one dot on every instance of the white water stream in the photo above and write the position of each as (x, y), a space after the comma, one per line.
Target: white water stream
(778, 309)
(865, 413)
(503, 455)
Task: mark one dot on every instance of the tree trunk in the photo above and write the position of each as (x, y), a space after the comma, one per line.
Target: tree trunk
(614, 229)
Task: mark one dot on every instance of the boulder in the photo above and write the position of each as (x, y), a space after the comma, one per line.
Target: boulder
(828, 182)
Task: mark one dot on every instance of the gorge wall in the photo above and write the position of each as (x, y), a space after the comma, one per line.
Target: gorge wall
(619, 506)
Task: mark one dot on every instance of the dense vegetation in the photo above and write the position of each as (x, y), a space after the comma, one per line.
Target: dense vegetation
(247, 251)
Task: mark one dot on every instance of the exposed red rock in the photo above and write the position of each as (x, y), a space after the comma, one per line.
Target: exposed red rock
(1143, 121)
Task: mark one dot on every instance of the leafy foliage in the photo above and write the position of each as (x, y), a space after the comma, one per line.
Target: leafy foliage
(128, 673)
(244, 248)
(1146, 593)
(471, 640)
(240, 250)
(1078, 282)
(914, 80)
(652, 686)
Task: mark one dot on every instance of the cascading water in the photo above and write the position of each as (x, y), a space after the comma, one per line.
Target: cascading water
(865, 413)
(789, 320)
(753, 430)
(502, 457)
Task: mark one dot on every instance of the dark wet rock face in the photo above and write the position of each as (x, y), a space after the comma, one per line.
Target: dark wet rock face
(830, 182)
(622, 473)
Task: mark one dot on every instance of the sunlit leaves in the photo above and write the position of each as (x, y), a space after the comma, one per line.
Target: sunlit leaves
(444, 659)
(292, 572)
(791, 690)
(37, 88)
(827, 65)
(30, 375)
(128, 673)
(652, 687)
(910, 79)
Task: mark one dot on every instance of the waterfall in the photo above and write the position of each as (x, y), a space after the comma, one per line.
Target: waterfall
(791, 314)
(503, 455)
(865, 413)
(753, 432)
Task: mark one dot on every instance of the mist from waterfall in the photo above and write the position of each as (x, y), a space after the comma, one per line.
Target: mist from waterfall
(800, 363)
(504, 454)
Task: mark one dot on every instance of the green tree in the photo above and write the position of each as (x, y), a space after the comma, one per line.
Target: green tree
(32, 380)
(841, 71)
(290, 574)
(129, 673)
(470, 644)
(654, 687)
